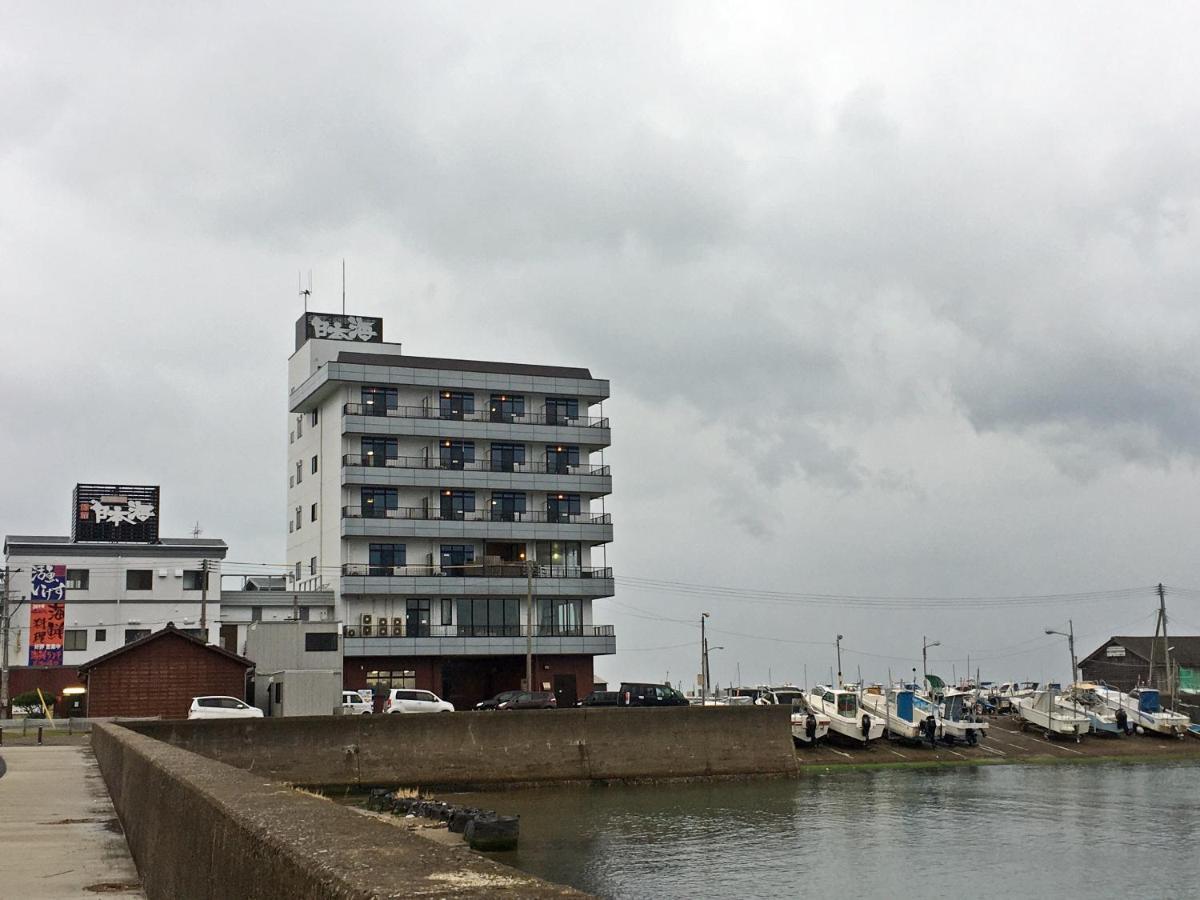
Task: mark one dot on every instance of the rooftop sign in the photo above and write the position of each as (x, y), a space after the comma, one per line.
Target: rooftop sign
(339, 327)
(115, 512)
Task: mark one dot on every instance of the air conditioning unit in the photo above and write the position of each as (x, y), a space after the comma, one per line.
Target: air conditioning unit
(162, 573)
(366, 619)
(179, 573)
(383, 629)
(366, 630)
(397, 625)
(350, 632)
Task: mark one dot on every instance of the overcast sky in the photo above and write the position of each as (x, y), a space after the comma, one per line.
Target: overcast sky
(899, 303)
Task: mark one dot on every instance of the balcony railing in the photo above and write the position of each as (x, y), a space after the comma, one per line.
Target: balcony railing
(475, 570)
(469, 631)
(374, 460)
(479, 515)
(420, 412)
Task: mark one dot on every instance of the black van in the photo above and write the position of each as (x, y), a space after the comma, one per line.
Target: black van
(637, 694)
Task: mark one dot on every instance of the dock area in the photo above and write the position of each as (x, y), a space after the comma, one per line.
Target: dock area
(1005, 743)
(60, 833)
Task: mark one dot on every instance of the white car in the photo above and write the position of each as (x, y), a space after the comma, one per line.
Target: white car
(407, 701)
(222, 708)
(354, 704)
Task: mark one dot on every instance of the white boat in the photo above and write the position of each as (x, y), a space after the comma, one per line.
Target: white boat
(808, 725)
(846, 717)
(1143, 706)
(1043, 710)
(958, 719)
(905, 713)
(1084, 696)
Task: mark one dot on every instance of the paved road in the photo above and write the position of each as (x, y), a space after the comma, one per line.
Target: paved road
(59, 834)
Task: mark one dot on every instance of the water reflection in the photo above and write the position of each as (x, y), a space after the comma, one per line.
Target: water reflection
(1106, 831)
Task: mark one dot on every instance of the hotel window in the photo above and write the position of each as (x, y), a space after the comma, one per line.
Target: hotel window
(77, 579)
(314, 465)
(561, 616)
(256, 612)
(447, 612)
(75, 639)
(313, 513)
(299, 471)
(297, 572)
(455, 404)
(456, 454)
(456, 504)
(506, 457)
(506, 407)
(507, 506)
(376, 401)
(193, 580)
(312, 566)
(135, 634)
(139, 580)
(378, 502)
(101, 635)
(489, 617)
(561, 507)
(385, 558)
(559, 458)
(321, 641)
(376, 451)
(455, 557)
(561, 409)
(299, 512)
(312, 418)
(299, 426)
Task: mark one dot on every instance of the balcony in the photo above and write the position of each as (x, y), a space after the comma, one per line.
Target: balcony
(417, 471)
(420, 412)
(454, 640)
(417, 421)
(486, 523)
(500, 579)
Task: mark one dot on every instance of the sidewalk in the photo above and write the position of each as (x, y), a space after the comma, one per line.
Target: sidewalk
(59, 835)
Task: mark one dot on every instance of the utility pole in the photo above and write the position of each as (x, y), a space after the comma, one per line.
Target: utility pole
(529, 624)
(204, 598)
(1162, 621)
(839, 658)
(703, 661)
(1071, 642)
(4, 635)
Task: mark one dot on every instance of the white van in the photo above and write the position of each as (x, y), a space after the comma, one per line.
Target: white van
(354, 704)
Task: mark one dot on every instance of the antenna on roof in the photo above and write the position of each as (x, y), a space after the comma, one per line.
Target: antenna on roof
(304, 292)
(197, 530)
(343, 285)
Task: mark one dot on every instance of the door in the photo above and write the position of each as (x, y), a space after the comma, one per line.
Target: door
(416, 622)
(564, 691)
(229, 638)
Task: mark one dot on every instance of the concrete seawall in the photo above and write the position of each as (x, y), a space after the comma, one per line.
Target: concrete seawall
(201, 829)
(480, 749)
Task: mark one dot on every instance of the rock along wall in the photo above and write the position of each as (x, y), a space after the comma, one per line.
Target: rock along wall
(201, 829)
(486, 748)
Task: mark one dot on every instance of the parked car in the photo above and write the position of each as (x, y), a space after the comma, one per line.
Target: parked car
(639, 694)
(354, 704)
(530, 700)
(400, 700)
(494, 703)
(601, 698)
(222, 708)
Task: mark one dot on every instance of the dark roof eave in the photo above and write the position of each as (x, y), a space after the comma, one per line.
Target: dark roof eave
(463, 365)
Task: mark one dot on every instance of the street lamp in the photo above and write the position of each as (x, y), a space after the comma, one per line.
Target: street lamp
(1069, 634)
(703, 661)
(839, 655)
(707, 670)
(925, 645)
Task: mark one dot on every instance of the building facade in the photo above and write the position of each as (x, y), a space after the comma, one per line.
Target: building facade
(436, 497)
(110, 582)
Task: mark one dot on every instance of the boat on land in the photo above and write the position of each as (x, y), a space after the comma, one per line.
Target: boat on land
(846, 716)
(906, 714)
(1103, 718)
(808, 725)
(958, 719)
(1144, 708)
(1043, 710)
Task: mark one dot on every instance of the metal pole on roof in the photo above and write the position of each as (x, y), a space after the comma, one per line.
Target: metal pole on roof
(204, 598)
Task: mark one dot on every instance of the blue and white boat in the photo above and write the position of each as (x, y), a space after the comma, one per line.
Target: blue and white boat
(1144, 708)
(905, 713)
(958, 719)
(1083, 697)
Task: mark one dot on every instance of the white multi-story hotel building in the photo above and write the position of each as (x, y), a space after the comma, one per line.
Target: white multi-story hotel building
(432, 496)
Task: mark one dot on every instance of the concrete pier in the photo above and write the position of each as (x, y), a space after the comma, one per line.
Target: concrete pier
(58, 829)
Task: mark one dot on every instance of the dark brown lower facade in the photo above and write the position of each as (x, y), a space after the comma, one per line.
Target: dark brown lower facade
(464, 681)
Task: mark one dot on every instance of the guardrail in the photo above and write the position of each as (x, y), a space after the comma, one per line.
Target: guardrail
(420, 412)
(476, 515)
(375, 461)
(471, 631)
(477, 570)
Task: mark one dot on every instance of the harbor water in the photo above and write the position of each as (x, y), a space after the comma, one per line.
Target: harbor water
(1012, 831)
